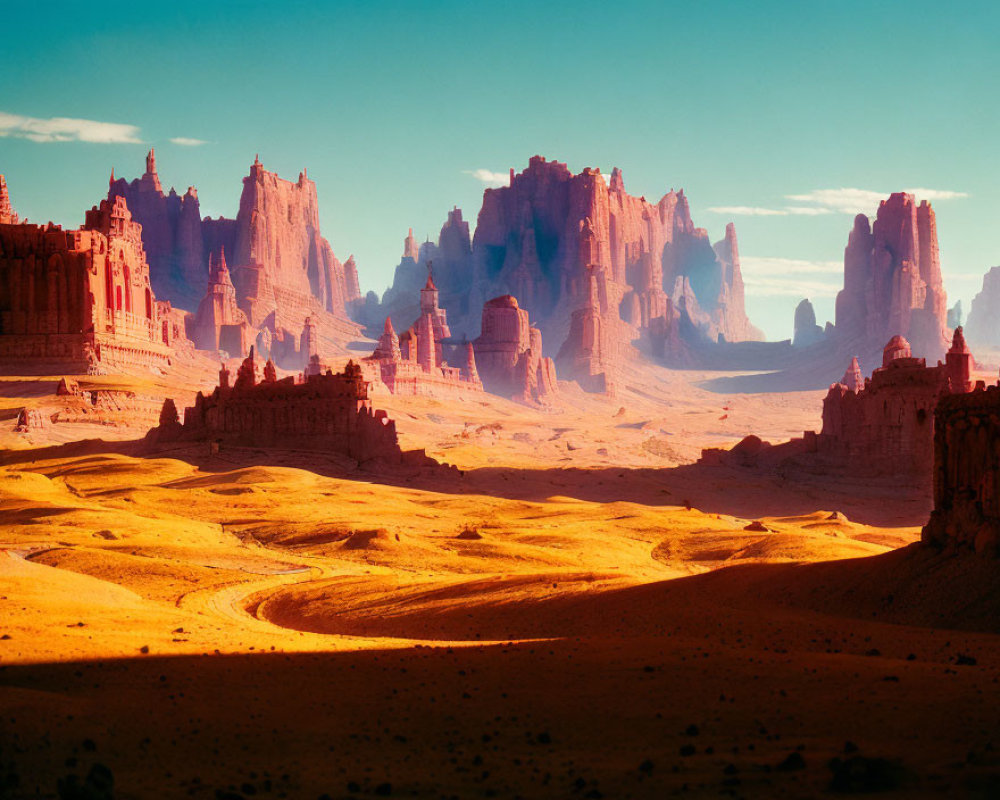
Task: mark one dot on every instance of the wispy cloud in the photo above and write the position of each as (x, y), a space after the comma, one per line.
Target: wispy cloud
(791, 277)
(748, 211)
(489, 177)
(770, 265)
(833, 201)
(791, 287)
(67, 129)
(185, 141)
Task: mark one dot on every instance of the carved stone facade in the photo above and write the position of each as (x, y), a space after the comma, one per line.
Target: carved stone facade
(328, 412)
(416, 363)
(966, 511)
(220, 323)
(80, 301)
(887, 425)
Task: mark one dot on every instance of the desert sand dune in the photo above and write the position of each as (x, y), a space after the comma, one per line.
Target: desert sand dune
(578, 610)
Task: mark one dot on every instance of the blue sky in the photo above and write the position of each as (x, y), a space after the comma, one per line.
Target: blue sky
(753, 109)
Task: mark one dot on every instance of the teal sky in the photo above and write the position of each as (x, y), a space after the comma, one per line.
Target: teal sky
(394, 106)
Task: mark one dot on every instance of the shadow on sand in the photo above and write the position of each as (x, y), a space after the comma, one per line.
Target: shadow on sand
(747, 493)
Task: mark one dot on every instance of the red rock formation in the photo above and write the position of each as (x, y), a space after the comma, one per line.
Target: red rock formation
(171, 234)
(220, 324)
(542, 237)
(853, 378)
(282, 269)
(892, 280)
(410, 248)
(509, 356)
(7, 215)
(329, 412)
(887, 426)
(79, 300)
(966, 511)
(982, 325)
(281, 263)
(588, 354)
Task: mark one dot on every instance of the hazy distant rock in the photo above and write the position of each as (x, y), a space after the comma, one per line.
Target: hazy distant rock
(807, 332)
(982, 327)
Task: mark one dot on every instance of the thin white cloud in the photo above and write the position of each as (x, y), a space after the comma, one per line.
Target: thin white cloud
(936, 194)
(488, 177)
(791, 277)
(833, 201)
(853, 201)
(772, 265)
(844, 201)
(186, 141)
(808, 211)
(790, 287)
(67, 129)
(748, 211)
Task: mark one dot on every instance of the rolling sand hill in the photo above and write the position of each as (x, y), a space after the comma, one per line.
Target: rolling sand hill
(578, 611)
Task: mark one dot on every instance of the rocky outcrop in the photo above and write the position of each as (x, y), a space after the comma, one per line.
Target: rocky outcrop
(282, 266)
(982, 325)
(7, 214)
(282, 269)
(590, 353)
(508, 354)
(892, 280)
(807, 332)
(171, 234)
(546, 235)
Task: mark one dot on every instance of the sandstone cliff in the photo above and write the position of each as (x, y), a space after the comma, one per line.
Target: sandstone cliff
(892, 280)
(282, 268)
(548, 234)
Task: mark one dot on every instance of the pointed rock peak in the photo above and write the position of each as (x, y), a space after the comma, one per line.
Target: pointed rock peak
(388, 329)
(151, 161)
(350, 260)
(410, 248)
(430, 276)
(958, 344)
(7, 214)
(111, 180)
(617, 182)
(853, 379)
(256, 159)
